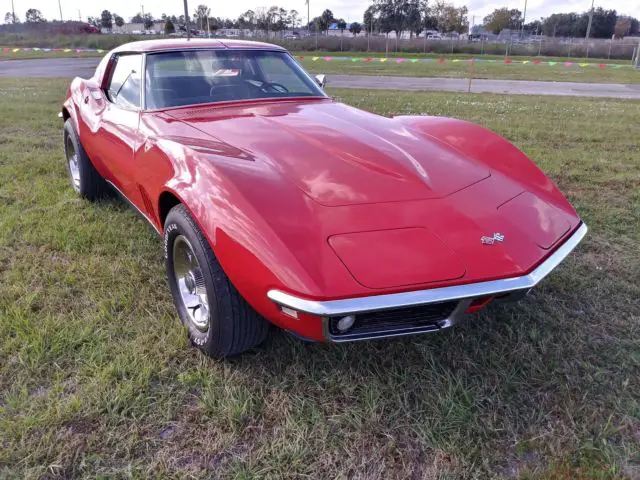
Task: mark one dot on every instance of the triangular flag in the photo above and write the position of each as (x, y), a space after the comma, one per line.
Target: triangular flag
(315, 59)
(399, 60)
(16, 50)
(455, 60)
(327, 59)
(414, 60)
(552, 63)
(383, 60)
(584, 65)
(602, 65)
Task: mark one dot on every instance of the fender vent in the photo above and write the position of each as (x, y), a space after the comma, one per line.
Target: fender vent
(148, 206)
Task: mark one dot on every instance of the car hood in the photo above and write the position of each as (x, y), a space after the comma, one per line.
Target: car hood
(335, 190)
(338, 155)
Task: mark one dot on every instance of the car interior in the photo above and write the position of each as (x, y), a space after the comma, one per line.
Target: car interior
(192, 77)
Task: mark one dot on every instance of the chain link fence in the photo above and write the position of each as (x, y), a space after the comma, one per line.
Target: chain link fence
(551, 47)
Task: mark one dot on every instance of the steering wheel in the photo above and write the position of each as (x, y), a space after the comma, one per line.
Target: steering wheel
(276, 87)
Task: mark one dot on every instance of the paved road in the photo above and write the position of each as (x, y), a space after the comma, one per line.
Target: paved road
(84, 67)
(520, 87)
(49, 67)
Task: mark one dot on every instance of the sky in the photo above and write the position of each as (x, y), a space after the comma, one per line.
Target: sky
(350, 10)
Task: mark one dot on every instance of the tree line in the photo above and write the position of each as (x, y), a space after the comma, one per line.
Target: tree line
(383, 17)
(604, 23)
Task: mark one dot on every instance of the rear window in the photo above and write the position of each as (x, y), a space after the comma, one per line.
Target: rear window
(204, 76)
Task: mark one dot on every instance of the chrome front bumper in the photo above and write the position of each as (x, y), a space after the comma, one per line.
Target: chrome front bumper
(465, 294)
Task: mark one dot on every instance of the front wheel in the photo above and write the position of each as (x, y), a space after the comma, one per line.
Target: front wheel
(85, 179)
(219, 321)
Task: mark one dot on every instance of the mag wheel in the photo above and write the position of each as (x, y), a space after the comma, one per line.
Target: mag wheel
(84, 178)
(190, 282)
(218, 320)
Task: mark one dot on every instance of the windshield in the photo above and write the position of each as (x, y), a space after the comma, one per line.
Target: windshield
(192, 77)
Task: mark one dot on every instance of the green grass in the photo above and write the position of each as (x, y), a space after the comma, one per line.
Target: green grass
(21, 55)
(461, 56)
(97, 378)
(450, 69)
(462, 69)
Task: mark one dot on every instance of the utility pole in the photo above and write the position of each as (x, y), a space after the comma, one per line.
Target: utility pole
(524, 17)
(13, 12)
(142, 7)
(590, 21)
(79, 16)
(186, 19)
(60, 8)
(308, 20)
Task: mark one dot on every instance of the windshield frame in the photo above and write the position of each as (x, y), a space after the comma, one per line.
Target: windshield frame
(222, 103)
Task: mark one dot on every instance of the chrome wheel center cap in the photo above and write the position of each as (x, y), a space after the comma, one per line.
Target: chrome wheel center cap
(190, 283)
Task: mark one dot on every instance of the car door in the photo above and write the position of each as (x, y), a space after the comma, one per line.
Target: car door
(118, 137)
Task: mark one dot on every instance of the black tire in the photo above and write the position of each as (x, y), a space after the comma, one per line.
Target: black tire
(233, 326)
(85, 180)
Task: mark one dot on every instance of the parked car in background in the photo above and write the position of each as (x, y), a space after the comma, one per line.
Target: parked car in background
(278, 204)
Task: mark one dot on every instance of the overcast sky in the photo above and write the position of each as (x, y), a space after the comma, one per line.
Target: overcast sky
(350, 10)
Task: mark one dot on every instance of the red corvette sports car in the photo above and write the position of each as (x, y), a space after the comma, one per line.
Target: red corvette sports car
(279, 204)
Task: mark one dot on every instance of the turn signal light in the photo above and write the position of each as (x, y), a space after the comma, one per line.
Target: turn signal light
(479, 303)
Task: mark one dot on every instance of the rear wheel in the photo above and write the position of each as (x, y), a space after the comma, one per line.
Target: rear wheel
(83, 176)
(219, 321)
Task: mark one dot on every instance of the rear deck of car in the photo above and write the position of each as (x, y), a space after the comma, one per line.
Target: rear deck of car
(150, 46)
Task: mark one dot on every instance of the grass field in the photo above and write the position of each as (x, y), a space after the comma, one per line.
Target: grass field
(461, 56)
(97, 378)
(450, 69)
(21, 55)
(462, 69)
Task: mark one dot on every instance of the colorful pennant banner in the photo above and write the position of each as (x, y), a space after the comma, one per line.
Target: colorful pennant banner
(441, 60)
(40, 49)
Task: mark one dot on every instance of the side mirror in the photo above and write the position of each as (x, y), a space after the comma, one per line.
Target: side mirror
(321, 80)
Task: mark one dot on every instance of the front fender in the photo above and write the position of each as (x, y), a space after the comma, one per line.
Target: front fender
(250, 252)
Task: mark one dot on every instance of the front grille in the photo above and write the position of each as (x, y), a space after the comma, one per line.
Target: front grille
(407, 319)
